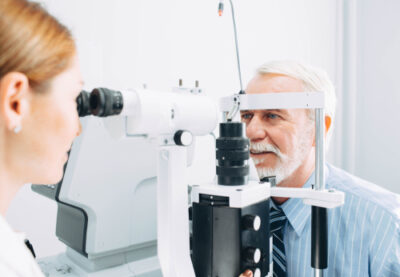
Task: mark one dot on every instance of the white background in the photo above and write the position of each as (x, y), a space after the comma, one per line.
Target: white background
(128, 43)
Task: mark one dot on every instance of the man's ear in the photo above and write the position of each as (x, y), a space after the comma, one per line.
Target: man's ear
(14, 99)
(328, 123)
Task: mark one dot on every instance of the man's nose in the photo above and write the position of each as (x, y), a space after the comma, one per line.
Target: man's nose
(255, 130)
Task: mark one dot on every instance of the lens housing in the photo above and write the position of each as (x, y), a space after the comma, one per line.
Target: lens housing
(106, 102)
(232, 154)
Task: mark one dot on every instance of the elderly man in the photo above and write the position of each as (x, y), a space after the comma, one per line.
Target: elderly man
(364, 234)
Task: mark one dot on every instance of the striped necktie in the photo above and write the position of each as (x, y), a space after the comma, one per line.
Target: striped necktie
(277, 222)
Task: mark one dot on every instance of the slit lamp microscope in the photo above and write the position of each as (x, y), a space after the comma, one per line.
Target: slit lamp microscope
(229, 217)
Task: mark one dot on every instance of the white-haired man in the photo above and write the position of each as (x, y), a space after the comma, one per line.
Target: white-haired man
(364, 234)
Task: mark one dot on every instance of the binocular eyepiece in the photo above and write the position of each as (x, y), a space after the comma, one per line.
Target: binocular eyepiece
(100, 102)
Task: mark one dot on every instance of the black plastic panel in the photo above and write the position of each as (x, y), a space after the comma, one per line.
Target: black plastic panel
(71, 230)
(219, 239)
(215, 234)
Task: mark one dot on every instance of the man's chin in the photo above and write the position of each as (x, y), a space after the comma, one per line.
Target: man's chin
(268, 159)
(264, 171)
(277, 172)
(267, 165)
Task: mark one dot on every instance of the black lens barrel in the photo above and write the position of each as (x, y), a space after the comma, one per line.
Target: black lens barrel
(100, 102)
(105, 102)
(232, 154)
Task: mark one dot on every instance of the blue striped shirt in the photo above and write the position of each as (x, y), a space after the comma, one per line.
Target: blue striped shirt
(364, 233)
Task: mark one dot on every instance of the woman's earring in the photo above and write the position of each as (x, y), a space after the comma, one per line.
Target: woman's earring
(17, 129)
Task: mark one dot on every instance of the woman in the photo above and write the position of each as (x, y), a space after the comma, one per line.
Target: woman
(39, 83)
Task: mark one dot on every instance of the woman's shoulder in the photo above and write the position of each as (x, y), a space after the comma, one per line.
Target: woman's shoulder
(15, 258)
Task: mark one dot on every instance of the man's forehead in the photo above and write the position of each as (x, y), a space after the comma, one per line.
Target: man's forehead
(266, 83)
(282, 111)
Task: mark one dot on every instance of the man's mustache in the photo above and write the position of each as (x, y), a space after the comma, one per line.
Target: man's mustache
(262, 147)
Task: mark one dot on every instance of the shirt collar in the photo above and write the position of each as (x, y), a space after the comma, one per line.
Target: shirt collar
(296, 211)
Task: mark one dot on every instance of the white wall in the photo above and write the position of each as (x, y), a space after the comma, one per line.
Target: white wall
(371, 93)
(378, 93)
(127, 43)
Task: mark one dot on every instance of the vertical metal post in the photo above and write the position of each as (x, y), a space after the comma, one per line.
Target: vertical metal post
(318, 272)
(319, 149)
(319, 231)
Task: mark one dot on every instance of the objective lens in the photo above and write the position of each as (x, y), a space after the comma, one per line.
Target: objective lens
(83, 104)
(105, 102)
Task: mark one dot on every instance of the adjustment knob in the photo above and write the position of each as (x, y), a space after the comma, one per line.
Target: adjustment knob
(252, 255)
(251, 222)
(183, 138)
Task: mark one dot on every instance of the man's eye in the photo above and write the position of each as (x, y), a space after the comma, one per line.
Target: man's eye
(246, 116)
(272, 116)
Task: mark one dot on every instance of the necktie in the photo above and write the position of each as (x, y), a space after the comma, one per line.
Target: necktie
(277, 221)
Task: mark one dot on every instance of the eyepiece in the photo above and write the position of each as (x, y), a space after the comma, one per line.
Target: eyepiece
(106, 102)
(83, 104)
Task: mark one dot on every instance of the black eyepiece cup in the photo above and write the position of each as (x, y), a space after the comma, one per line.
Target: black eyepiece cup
(83, 105)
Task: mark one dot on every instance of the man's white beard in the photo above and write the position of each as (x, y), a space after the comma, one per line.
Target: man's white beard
(286, 164)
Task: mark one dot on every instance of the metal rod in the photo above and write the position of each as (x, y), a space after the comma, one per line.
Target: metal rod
(319, 149)
(237, 46)
(318, 273)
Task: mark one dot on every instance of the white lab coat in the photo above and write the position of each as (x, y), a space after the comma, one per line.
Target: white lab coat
(15, 258)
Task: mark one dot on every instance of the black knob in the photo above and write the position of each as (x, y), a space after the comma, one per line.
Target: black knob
(183, 138)
(251, 222)
(252, 255)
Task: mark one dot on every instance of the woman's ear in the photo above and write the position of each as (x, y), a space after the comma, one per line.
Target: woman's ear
(14, 99)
